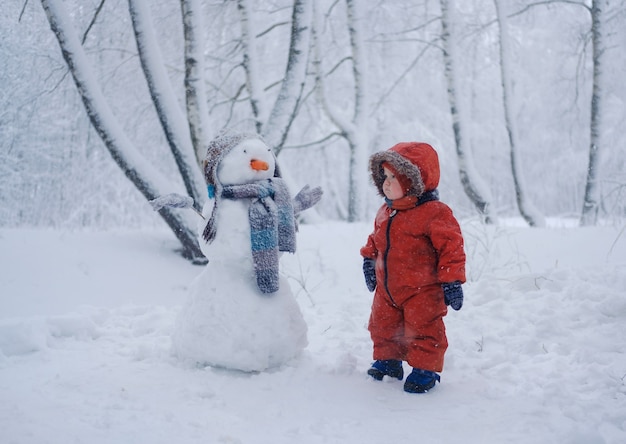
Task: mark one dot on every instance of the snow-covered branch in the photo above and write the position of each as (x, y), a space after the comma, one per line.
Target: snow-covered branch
(283, 113)
(140, 172)
(173, 122)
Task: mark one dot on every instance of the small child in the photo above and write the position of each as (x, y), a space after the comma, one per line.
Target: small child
(414, 259)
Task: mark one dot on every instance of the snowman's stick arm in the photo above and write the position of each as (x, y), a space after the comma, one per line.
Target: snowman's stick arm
(174, 200)
(198, 213)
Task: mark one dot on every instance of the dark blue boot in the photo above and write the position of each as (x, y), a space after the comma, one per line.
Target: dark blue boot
(420, 381)
(386, 367)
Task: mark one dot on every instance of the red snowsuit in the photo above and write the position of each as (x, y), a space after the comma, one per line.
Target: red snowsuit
(416, 250)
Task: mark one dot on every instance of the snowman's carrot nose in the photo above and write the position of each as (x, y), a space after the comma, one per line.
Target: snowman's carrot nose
(259, 165)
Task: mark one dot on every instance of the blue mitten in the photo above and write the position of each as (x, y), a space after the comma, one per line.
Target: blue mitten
(369, 271)
(453, 294)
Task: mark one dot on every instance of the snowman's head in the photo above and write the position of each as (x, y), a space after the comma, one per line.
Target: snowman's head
(235, 159)
(238, 158)
(249, 161)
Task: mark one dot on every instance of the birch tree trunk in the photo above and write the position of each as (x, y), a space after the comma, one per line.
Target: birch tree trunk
(285, 108)
(359, 137)
(275, 128)
(591, 202)
(473, 186)
(195, 91)
(251, 64)
(526, 208)
(145, 178)
(354, 130)
(173, 121)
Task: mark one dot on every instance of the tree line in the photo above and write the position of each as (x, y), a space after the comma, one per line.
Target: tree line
(329, 82)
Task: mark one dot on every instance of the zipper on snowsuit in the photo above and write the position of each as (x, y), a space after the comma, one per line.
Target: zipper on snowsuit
(387, 236)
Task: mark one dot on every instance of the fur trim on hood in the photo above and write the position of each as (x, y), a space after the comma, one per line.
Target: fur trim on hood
(415, 160)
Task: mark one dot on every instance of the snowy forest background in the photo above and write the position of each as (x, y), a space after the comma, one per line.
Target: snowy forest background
(377, 72)
(90, 289)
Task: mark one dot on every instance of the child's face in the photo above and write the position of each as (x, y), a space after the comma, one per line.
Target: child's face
(391, 186)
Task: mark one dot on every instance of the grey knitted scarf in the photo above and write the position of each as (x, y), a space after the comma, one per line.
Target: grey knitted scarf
(272, 226)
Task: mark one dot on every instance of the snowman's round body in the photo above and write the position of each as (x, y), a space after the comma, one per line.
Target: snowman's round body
(227, 321)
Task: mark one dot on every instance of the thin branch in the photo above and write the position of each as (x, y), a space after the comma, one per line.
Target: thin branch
(615, 242)
(548, 2)
(330, 9)
(540, 3)
(339, 63)
(407, 31)
(317, 142)
(93, 21)
(272, 85)
(276, 25)
(22, 11)
(399, 79)
(232, 99)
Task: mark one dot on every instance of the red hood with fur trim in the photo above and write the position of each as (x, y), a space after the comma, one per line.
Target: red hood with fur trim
(416, 160)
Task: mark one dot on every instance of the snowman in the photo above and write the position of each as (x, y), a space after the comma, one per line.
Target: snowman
(241, 313)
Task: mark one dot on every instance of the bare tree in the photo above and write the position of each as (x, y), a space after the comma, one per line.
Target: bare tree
(239, 96)
(353, 129)
(145, 178)
(275, 127)
(599, 12)
(591, 202)
(474, 187)
(174, 123)
(527, 209)
(185, 133)
(195, 91)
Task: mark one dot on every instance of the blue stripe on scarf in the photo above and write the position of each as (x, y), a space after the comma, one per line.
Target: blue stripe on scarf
(263, 239)
(285, 217)
(266, 191)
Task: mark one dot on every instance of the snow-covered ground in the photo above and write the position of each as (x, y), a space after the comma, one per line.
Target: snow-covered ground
(537, 354)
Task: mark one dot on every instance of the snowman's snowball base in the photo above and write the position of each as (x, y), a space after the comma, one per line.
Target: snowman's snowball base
(227, 322)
